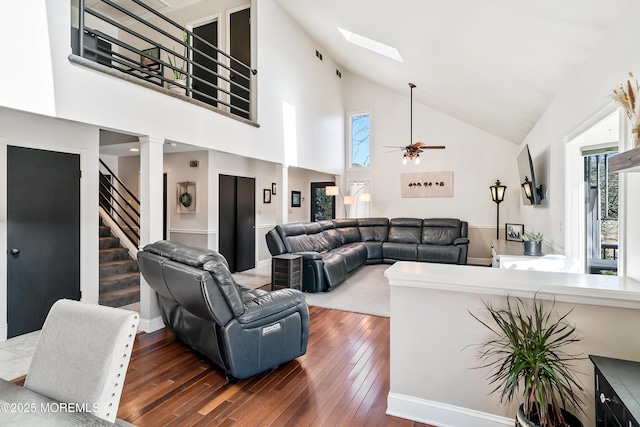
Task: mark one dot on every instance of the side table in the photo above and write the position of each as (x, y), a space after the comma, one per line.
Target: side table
(286, 272)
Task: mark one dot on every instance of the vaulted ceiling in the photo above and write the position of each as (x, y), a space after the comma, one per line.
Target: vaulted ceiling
(495, 64)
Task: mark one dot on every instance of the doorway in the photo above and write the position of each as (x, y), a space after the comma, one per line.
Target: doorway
(205, 67)
(601, 188)
(237, 221)
(601, 134)
(323, 206)
(43, 234)
(240, 49)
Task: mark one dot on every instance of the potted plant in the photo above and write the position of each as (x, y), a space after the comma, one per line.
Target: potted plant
(532, 243)
(179, 77)
(528, 357)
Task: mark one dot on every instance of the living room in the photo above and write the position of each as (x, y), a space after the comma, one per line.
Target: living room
(66, 109)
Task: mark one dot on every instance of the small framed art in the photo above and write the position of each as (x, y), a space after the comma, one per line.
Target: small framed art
(295, 199)
(273, 188)
(513, 232)
(266, 196)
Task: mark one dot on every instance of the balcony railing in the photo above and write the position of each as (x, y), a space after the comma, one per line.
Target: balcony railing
(137, 40)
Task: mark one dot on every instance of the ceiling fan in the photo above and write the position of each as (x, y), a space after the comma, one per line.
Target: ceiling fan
(413, 150)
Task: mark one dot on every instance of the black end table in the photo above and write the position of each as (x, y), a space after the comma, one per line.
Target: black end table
(286, 272)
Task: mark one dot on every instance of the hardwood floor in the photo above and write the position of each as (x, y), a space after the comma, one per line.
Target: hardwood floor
(343, 380)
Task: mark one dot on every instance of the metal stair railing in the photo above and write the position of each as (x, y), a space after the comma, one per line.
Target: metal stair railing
(123, 210)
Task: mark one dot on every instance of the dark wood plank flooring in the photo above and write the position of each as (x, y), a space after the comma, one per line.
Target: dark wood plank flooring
(343, 380)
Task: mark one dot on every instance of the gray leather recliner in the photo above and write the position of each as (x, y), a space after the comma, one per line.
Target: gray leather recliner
(242, 331)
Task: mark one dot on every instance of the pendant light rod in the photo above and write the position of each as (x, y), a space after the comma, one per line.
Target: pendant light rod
(411, 85)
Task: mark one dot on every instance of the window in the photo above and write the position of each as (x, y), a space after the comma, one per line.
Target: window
(359, 140)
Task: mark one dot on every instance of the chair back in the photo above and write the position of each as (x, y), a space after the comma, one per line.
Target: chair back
(82, 356)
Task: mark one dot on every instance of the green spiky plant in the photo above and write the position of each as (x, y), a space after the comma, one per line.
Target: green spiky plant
(530, 236)
(528, 359)
(179, 75)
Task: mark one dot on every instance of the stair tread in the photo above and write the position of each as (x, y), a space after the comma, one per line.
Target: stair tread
(117, 277)
(118, 262)
(118, 249)
(121, 292)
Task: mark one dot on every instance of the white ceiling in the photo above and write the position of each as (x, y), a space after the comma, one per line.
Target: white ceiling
(495, 64)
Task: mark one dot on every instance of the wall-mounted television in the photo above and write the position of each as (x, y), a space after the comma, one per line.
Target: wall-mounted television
(532, 194)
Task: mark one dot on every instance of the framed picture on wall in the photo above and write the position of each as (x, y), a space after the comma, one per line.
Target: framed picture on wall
(273, 188)
(513, 232)
(266, 196)
(295, 199)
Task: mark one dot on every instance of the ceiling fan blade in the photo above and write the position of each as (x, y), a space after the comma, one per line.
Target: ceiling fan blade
(393, 146)
(433, 147)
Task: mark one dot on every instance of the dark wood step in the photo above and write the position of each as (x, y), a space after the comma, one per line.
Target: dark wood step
(112, 268)
(120, 297)
(113, 254)
(109, 242)
(119, 281)
(105, 231)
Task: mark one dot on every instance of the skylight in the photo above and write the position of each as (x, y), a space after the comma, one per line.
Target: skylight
(372, 45)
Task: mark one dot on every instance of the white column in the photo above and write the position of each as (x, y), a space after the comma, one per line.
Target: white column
(151, 170)
(282, 187)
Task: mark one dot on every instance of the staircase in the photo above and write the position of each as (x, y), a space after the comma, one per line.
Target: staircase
(119, 274)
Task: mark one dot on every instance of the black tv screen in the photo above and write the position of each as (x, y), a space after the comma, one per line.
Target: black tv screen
(528, 178)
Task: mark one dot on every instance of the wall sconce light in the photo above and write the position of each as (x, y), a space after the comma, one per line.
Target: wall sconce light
(497, 195)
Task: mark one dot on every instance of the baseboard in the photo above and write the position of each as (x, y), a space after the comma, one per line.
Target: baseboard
(264, 263)
(441, 414)
(4, 331)
(151, 325)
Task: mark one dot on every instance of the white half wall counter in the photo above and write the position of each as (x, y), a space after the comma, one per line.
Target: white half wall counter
(434, 375)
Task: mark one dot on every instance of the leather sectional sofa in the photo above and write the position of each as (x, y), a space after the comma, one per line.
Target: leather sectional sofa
(333, 249)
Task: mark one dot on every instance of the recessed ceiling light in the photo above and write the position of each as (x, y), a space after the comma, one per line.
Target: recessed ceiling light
(372, 45)
(134, 149)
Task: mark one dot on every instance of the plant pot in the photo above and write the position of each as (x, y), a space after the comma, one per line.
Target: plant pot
(533, 248)
(523, 421)
(177, 86)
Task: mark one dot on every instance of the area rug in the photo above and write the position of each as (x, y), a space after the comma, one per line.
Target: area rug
(366, 291)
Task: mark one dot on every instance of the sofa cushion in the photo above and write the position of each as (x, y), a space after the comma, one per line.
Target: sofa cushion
(373, 229)
(405, 230)
(438, 253)
(335, 269)
(399, 251)
(440, 231)
(348, 230)
(355, 255)
(374, 251)
(333, 238)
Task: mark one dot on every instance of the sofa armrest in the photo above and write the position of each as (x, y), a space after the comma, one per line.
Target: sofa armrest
(269, 304)
(461, 241)
(309, 255)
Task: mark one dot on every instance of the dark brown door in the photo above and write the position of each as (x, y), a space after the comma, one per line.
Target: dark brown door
(205, 57)
(237, 214)
(43, 234)
(240, 49)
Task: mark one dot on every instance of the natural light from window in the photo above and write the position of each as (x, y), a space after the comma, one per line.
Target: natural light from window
(359, 140)
(372, 45)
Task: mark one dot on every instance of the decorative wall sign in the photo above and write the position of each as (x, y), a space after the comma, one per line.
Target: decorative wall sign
(427, 184)
(186, 197)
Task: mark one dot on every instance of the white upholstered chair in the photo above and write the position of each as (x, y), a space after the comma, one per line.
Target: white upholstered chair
(82, 355)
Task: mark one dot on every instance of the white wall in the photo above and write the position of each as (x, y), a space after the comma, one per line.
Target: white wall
(583, 96)
(18, 129)
(300, 180)
(476, 158)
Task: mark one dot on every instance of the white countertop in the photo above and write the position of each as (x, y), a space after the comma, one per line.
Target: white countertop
(592, 289)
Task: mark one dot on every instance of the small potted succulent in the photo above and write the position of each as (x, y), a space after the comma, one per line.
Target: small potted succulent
(528, 357)
(532, 243)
